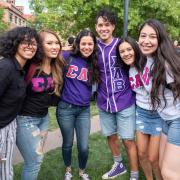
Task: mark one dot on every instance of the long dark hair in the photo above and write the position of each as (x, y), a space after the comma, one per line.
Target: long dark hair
(138, 56)
(92, 60)
(164, 55)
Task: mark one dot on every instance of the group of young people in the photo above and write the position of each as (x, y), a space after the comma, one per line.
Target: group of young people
(154, 65)
(138, 93)
(31, 75)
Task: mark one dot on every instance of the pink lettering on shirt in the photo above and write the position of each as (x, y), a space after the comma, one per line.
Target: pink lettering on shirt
(49, 83)
(40, 84)
(83, 75)
(146, 76)
(136, 82)
(37, 84)
(71, 71)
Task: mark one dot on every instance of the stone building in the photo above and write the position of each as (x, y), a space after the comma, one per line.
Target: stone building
(13, 15)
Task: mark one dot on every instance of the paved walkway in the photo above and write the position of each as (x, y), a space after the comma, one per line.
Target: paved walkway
(54, 139)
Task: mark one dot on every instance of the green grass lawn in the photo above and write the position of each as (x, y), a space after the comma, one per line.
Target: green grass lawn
(100, 160)
(52, 116)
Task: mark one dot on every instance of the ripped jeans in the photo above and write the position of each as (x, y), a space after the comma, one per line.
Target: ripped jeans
(31, 136)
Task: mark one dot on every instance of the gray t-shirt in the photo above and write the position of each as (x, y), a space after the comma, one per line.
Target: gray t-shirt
(172, 109)
(142, 85)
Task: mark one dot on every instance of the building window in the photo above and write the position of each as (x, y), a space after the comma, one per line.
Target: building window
(19, 21)
(10, 17)
(11, 2)
(15, 20)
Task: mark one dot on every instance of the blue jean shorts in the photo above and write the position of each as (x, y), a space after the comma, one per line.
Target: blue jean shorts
(171, 128)
(148, 122)
(121, 123)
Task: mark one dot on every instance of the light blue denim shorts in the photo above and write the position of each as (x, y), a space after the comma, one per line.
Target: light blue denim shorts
(121, 123)
(172, 129)
(148, 122)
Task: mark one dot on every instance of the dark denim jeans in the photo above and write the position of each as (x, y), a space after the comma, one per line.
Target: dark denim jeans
(71, 117)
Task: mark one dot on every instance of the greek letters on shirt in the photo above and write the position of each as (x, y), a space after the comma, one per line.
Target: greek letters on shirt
(135, 81)
(73, 72)
(41, 84)
(117, 77)
(139, 80)
(146, 76)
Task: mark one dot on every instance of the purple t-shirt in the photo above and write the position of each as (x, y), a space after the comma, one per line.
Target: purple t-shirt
(76, 89)
(114, 90)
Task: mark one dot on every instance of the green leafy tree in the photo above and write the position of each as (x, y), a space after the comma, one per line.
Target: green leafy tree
(3, 25)
(168, 12)
(69, 16)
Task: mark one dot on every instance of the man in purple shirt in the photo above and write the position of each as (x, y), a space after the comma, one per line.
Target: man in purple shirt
(115, 99)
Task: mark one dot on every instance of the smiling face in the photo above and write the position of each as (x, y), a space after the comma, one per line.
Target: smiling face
(86, 46)
(26, 50)
(105, 30)
(51, 45)
(148, 41)
(126, 53)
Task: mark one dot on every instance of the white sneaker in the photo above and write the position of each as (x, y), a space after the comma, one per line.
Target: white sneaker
(134, 178)
(67, 176)
(84, 176)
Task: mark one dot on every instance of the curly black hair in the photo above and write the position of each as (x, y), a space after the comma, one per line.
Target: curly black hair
(107, 15)
(10, 40)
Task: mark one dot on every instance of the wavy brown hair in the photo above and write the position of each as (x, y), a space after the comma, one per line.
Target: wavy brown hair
(165, 54)
(57, 64)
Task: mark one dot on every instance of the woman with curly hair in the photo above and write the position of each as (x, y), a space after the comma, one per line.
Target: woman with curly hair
(73, 112)
(17, 46)
(44, 81)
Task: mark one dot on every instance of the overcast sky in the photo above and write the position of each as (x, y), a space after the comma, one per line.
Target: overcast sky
(24, 3)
